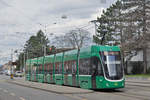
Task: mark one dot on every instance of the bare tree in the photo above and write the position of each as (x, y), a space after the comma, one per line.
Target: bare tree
(74, 39)
(140, 12)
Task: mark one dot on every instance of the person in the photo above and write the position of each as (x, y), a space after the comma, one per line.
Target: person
(11, 76)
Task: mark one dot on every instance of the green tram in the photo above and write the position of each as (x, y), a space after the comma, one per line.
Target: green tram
(94, 67)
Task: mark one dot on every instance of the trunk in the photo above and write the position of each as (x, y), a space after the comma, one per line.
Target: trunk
(145, 60)
(126, 70)
(123, 61)
(144, 35)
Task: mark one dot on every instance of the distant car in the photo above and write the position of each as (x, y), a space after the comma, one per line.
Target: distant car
(18, 74)
(8, 72)
(1, 72)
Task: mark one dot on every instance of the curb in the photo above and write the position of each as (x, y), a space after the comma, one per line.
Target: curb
(138, 78)
(47, 90)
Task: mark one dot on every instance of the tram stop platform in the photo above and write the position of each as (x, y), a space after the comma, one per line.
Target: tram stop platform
(58, 89)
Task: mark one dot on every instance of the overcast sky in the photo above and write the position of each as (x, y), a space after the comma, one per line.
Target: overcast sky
(19, 19)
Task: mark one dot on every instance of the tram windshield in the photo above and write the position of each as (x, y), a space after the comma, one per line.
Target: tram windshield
(112, 64)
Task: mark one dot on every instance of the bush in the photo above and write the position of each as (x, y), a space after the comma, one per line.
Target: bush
(148, 71)
(137, 67)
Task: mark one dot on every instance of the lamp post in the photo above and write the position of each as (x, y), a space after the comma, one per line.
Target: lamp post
(45, 31)
(11, 69)
(94, 21)
(46, 34)
(42, 41)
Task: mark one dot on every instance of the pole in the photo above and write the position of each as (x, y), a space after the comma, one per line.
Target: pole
(27, 54)
(42, 41)
(78, 58)
(44, 50)
(24, 62)
(11, 69)
(45, 44)
(94, 21)
(11, 55)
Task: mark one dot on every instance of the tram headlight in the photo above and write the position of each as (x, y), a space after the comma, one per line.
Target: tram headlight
(100, 80)
(107, 84)
(122, 84)
(116, 84)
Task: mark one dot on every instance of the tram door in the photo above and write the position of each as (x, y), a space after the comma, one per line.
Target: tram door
(66, 68)
(45, 70)
(34, 73)
(94, 67)
(51, 73)
(74, 73)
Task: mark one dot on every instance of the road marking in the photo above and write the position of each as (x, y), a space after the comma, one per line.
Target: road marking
(5, 91)
(12, 94)
(21, 98)
(2, 80)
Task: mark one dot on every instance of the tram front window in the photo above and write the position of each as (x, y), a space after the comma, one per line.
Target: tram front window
(112, 65)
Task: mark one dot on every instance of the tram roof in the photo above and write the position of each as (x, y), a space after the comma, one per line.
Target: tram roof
(72, 54)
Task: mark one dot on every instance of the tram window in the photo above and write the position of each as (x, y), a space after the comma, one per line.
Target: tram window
(65, 67)
(84, 66)
(96, 68)
(33, 69)
(100, 69)
(74, 67)
(69, 67)
(40, 69)
(60, 68)
(46, 68)
(56, 68)
(26, 69)
(51, 68)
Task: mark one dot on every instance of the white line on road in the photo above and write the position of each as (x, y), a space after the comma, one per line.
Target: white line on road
(12, 94)
(2, 81)
(5, 91)
(21, 98)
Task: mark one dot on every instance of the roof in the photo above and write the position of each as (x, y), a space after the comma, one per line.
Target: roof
(72, 54)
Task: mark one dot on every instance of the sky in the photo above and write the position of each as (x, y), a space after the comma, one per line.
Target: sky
(19, 19)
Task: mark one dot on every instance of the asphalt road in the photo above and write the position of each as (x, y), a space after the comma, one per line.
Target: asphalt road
(10, 91)
(15, 92)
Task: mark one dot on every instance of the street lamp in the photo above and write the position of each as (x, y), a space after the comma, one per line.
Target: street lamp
(95, 21)
(45, 31)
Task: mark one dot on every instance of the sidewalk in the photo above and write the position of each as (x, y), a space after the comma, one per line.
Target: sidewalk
(138, 79)
(50, 87)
